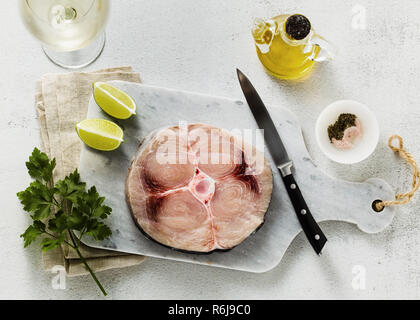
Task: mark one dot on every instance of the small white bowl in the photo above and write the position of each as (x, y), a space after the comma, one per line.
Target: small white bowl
(363, 148)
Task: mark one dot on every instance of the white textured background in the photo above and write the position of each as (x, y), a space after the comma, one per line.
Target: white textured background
(196, 45)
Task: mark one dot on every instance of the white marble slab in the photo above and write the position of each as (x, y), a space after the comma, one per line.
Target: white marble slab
(328, 198)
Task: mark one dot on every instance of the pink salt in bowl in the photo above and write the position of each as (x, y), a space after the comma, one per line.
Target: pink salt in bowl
(365, 143)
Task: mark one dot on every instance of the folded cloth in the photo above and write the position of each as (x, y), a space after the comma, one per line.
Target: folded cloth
(61, 101)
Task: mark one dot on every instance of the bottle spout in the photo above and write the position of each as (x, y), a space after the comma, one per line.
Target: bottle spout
(258, 29)
(263, 32)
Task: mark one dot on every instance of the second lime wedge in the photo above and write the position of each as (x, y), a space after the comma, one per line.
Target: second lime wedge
(113, 101)
(100, 134)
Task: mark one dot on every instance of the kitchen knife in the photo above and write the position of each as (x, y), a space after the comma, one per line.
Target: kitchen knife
(312, 231)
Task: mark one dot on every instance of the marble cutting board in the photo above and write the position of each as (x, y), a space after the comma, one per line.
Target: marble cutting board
(328, 198)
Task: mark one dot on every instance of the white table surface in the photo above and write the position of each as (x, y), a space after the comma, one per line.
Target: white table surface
(196, 45)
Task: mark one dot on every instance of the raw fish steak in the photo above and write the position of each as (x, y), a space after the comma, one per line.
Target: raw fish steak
(198, 188)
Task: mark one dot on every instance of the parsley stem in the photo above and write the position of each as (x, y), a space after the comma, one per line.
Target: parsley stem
(82, 232)
(56, 203)
(86, 264)
(66, 242)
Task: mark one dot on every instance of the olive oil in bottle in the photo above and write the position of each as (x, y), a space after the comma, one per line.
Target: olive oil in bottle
(288, 47)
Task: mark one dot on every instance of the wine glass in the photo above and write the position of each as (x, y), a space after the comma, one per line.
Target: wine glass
(71, 31)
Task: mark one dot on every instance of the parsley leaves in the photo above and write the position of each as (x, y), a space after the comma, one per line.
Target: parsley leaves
(59, 210)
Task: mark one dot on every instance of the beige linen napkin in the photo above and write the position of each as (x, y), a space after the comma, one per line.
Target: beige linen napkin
(61, 101)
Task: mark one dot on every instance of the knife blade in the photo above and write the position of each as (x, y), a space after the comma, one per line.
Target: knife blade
(279, 154)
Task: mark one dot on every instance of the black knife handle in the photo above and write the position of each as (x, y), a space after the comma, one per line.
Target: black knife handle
(312, 231)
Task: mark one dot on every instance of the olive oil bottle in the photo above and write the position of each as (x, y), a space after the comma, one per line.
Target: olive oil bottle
(288, 47)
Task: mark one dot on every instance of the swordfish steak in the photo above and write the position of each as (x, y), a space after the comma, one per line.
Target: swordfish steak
(198, 188)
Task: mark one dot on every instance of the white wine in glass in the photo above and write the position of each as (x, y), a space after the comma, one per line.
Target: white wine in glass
(71, 31)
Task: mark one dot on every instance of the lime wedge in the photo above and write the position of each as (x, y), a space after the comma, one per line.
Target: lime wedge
(113, 101)
(100, 134)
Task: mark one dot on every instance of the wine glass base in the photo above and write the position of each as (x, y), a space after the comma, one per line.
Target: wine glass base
(78, 58)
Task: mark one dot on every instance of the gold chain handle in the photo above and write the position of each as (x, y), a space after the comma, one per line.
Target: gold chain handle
(402, 198)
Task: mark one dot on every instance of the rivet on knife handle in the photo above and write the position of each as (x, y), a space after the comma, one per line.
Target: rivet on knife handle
(312, 231)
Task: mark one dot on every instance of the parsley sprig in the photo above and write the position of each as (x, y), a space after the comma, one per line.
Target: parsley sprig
(59, 210)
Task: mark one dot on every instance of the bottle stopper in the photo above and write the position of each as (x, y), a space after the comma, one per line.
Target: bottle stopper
(298, 26)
